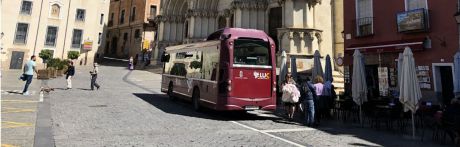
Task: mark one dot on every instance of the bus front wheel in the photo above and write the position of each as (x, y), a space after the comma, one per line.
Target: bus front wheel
(171, 92)
(196, 99)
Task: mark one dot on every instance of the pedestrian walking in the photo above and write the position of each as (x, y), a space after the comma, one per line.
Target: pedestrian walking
(69, 74)
(94, 73)
(131, 63)
(308, 95)
(290, 96)
(320, 99)
(329, 96)
(29, 69)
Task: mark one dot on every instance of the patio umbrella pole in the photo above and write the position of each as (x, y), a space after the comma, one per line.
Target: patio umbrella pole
(413, 126)
(361, 116)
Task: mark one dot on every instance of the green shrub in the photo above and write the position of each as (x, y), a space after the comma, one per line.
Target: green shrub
(45, 54)
(53, 63)
(73, 55)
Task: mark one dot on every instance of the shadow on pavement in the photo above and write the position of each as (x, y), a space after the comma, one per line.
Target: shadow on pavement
(181, 107)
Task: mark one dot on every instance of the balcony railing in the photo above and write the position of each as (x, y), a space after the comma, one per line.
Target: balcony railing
(364, 26)
(151, 17)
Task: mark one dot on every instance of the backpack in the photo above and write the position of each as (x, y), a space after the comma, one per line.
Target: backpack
(306, 92)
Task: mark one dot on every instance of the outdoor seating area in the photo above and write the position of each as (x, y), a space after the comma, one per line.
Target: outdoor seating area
(387, 114)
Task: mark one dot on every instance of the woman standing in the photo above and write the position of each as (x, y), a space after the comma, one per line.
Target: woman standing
(69, 74)
(320, 98)
(290, 95)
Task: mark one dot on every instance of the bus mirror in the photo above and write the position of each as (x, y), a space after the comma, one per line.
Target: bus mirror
(225, 36)
(165, 58)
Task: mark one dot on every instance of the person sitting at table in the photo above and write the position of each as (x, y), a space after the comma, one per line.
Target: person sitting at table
(452, 116)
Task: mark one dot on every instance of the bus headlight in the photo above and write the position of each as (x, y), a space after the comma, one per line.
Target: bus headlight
(274, 89)
(229, 88)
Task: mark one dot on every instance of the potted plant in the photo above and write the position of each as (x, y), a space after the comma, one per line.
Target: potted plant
(72, 55)
(45, 55)
(52, 66)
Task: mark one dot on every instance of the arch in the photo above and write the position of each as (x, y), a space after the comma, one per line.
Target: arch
(55, 8)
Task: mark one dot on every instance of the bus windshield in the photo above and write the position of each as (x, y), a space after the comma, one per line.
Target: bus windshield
(251, 52)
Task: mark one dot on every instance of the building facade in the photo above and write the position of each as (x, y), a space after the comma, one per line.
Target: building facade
(300, 27)
(30, 26)
(382, 29)
(131, 29)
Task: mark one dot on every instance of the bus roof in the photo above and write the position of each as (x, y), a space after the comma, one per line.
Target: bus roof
(239, 32)
(192, 46)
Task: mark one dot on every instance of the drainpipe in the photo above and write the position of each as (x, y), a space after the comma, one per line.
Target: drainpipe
(66, 27)
(38, 27)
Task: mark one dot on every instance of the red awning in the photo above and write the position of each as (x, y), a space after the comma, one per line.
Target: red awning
(387, 46)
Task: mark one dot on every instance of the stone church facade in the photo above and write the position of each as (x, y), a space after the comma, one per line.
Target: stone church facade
(300, 27)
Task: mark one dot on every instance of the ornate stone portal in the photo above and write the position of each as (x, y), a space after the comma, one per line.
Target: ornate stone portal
(305, 24)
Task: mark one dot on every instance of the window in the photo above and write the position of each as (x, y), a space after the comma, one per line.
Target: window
(76, 38)
(21, 33)
(122, 17)
(80, 15)
(125, 36)
(101, 21)
(111, 20)
(251, 52)
(51, 35)
(133, 14)
(55, 10)
(137, 33)
(99, 38)
(26, 7)
(416, 4)
(153, 11)
(364, 18)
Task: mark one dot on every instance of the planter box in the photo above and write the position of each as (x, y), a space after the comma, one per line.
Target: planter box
(43, 74)
(53, 73)
(60, 73)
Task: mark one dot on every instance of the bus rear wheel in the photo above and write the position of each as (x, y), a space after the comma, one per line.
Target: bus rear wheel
(196, 99)
(171, 92)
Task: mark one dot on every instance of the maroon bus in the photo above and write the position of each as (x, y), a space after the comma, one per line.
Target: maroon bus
(233, 70)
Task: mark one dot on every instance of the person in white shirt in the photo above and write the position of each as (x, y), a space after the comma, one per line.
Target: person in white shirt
(94, 73)
(29, 70)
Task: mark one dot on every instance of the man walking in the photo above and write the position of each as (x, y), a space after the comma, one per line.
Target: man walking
(69, 74)
(94, 73)
(29, 70)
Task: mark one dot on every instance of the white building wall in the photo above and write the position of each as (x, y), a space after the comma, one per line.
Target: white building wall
(38, 24)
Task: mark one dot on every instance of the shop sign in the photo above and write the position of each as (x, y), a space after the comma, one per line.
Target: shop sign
(146, 44)
(414, 20)
(88, 45)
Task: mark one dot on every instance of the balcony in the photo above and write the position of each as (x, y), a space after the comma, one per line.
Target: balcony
(151, 17)
(364, 27)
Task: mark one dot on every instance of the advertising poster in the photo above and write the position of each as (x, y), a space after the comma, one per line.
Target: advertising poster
(383, 81)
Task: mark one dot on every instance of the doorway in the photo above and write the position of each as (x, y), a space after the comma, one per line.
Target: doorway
(443, 80)
(16, 60)
(275, 21)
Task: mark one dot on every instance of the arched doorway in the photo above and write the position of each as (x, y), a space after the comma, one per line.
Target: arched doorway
(274, 22)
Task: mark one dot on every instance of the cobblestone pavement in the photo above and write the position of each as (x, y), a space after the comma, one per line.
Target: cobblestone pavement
(129, 110)
(18, 112)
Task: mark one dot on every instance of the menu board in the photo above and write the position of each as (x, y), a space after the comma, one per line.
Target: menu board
(383, 81)
(424, 77)
(346, 75)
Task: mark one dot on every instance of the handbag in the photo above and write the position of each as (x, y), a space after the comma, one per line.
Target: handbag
(22, 77)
